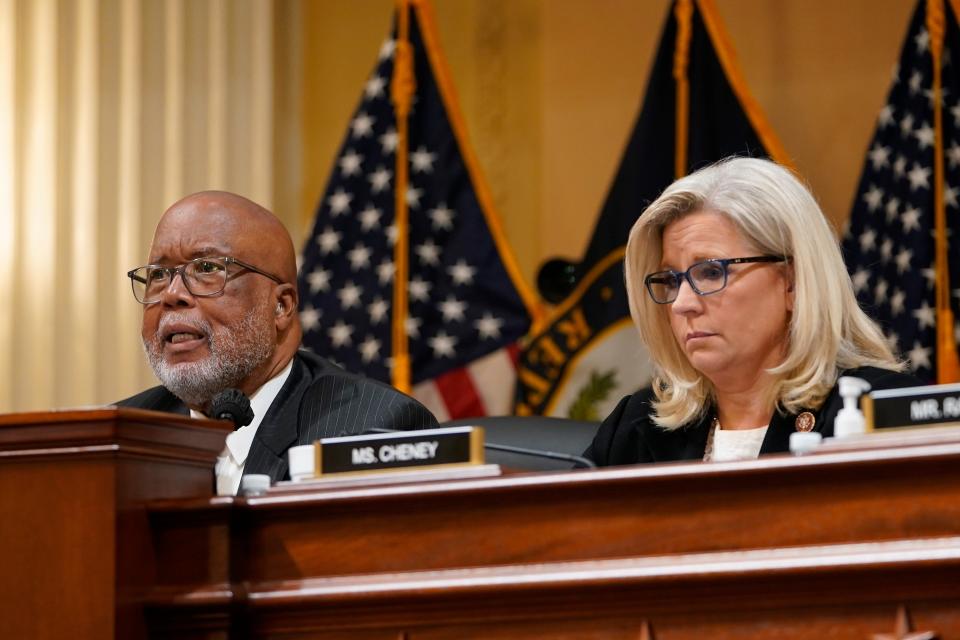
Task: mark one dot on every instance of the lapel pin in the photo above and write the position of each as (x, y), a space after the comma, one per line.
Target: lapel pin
(805, 421)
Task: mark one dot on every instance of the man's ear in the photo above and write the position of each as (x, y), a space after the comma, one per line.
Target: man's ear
(286, 306)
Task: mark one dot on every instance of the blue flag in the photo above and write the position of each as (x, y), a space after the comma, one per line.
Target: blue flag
(890, 243)
(467, 305)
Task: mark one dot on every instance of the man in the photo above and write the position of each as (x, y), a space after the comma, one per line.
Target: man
(219, 302)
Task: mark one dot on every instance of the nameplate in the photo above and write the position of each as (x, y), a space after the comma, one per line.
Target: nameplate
(378, 452)
(912, 406)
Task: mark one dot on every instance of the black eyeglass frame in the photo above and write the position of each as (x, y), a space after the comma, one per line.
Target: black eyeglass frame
(179, 270)
(680, 276)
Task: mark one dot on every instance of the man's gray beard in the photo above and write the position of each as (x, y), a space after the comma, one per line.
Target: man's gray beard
(235, 352)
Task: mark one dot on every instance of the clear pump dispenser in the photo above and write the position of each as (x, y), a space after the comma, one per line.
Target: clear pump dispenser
(850, 420)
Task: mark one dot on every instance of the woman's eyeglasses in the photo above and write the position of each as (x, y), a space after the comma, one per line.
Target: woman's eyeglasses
(706, 277)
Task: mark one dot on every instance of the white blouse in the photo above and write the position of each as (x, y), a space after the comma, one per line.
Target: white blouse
(725, 445)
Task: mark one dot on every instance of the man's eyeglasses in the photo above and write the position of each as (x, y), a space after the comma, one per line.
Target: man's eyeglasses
(709, 276)
(203, 277)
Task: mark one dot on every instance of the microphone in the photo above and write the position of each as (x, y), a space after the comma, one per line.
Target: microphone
(579, 461)
(232, 405)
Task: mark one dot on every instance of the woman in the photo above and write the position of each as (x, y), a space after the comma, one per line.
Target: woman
(739, 291)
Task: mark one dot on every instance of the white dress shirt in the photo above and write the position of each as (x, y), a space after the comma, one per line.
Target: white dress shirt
(230, 463)
(736, 444)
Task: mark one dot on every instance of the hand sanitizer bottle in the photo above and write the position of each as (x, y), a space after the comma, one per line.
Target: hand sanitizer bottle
(850, 420)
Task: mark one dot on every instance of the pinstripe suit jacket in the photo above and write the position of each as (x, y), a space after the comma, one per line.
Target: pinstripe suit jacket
(318, 400)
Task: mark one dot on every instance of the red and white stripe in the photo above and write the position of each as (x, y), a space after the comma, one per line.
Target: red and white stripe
(485, 387)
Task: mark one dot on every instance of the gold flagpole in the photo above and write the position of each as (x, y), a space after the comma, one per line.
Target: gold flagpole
(402, 87)
(683, 11)
(948, 366)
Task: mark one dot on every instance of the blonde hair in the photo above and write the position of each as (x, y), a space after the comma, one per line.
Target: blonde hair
(773, 210)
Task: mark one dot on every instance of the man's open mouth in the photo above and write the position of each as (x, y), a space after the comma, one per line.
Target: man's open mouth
(182, 334)
(177, 338)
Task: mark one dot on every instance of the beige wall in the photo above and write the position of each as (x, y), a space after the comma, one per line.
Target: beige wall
(822, 80)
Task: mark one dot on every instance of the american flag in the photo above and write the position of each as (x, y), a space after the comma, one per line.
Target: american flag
(889, 245)
(467, 304)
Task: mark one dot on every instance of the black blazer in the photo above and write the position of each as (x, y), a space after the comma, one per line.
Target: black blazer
(629, 436)
(318, 400)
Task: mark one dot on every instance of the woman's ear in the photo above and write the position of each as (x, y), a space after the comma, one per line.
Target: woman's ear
(791, 285)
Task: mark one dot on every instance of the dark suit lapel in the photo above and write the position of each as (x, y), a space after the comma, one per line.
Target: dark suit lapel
(685, 443)
(156, 399)
(777, 439)
(694, 442)
(176, 405)
(278, 430)
(173, 404)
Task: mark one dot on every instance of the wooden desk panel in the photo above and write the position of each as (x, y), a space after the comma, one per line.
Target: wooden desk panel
(77, 550)
(610, 513)
(770, 548)
(832, 545)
